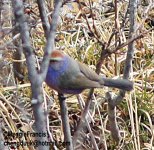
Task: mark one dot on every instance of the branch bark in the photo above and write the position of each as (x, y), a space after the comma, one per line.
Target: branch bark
(65, 122)
(36, 78)
(44, 17)
(114, 101)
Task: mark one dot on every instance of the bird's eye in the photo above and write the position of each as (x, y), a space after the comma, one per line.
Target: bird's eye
(53, 61)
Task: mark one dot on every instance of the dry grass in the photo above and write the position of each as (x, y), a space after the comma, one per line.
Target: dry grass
(135, 114)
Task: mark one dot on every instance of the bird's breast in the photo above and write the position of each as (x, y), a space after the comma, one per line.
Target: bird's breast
(55, 73)
(52, 78)
(61, 76)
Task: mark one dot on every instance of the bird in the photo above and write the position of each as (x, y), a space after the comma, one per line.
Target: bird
(69, 76)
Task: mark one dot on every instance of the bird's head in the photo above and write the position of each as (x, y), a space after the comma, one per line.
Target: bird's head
(56, 56)
(57, 60)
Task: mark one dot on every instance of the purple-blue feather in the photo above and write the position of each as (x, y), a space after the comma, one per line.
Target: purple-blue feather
(55, 70)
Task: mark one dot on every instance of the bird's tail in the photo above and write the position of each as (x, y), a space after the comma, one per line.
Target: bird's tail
(119, 83)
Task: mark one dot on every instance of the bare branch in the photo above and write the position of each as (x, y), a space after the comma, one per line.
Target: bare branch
(44, 16)
(80, 100)
(20, 18)
(112, 118)
(133, 38)
(114, 101)
(131, 48)
(65, 122)
(36, 79)
(50, 40)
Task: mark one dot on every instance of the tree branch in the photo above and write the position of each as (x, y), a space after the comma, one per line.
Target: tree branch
(44, 16)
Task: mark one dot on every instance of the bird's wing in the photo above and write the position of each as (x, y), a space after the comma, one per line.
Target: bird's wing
(82, 82)
(89, 73)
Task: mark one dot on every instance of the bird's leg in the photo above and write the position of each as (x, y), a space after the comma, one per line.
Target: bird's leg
(61, 97)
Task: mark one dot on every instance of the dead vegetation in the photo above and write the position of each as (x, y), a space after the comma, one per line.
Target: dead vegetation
(84, 29)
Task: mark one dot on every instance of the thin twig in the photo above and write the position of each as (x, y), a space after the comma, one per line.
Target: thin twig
(87, 123)
(65, 122)
(44, 17)
(9, 88)
(50, 40)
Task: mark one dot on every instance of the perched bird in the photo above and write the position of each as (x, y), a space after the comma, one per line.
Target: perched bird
(69, 76)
